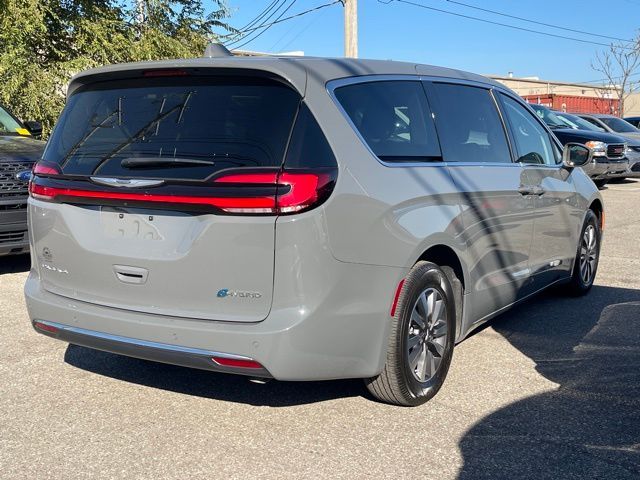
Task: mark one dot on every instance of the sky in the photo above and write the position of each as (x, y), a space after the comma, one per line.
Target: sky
(401, 31)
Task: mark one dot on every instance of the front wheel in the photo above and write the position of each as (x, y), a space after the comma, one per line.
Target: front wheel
(422, 338)
(587, 258)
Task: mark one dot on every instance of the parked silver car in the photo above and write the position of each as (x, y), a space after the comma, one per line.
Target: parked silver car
(301, 218)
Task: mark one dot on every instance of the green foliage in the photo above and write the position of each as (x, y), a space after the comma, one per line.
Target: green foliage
(43, 43)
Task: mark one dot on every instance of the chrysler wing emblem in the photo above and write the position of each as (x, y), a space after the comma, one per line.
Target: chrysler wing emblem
(126, 182)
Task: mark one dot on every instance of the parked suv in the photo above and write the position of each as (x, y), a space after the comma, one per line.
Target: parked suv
(633, 145)
(301, 218)
(18, 152)
(609, 159)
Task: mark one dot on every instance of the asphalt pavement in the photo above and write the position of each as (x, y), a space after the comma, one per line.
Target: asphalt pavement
(550, 389)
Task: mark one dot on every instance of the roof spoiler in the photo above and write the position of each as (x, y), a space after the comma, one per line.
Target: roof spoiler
(216, 50)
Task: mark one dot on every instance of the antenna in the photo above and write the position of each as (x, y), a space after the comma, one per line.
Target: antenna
(216, 50)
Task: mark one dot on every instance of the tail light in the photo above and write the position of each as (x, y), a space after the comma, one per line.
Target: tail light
(45, 168)
(294, 192)
(290, 192)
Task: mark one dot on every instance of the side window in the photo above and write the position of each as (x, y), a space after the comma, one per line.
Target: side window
(532, 141)
(469, 125)
(394, 119)
(594, 122)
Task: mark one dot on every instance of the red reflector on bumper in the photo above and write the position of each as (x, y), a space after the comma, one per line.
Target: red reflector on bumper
(236, 362)
(396, 297)
(44, 327)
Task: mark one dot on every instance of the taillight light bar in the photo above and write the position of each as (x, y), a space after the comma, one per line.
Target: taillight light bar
(293, 192)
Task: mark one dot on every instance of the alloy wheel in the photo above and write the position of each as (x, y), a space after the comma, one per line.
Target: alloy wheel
(427, 335)
(588, 254)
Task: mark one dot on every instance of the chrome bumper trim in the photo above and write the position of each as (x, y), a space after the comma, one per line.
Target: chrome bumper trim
(147, 350)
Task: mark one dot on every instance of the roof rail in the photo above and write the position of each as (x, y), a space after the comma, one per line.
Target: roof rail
(216, 50)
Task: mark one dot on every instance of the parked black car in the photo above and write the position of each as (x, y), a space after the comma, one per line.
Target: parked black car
(18, 152)
(609, 158)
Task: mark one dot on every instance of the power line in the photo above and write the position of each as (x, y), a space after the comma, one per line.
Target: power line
(537, 22)
(266, 26)
(261, 15)
(608, 80)
(448, 12)
(245, 32)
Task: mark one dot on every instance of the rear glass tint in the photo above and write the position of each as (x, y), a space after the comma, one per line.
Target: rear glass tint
(207, 124)
(469, 125)
(308, 147)
(394, 119)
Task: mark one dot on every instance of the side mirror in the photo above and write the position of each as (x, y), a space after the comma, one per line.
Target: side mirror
(35, 128)
(576, 155)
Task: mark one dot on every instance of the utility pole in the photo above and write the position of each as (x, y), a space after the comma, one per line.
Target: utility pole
(350, 28)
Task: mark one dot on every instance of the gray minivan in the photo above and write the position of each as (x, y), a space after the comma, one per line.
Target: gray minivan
(301, 218)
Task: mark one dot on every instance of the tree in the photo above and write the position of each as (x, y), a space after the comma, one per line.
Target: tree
(619, 65)
(43, 43)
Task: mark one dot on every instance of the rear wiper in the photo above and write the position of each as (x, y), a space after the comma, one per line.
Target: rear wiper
(161, 162)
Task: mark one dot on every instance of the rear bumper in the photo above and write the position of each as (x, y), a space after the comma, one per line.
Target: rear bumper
(154, 351)
(344, 336)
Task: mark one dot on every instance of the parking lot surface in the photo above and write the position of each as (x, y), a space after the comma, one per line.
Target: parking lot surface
(550, 389)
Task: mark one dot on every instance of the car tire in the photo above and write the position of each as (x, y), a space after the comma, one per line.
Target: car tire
(600, 183)
(422, 338)
(587, 257)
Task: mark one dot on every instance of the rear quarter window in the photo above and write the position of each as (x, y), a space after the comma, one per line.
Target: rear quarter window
(393, 118)
(222, 122)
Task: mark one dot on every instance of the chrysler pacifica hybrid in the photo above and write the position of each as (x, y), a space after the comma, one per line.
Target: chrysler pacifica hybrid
(301, 218)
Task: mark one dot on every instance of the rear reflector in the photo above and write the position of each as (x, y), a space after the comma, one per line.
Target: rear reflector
(236, 362)
(45, 327)
(396, 297)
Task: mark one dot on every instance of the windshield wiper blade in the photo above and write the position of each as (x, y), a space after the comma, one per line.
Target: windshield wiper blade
(162, 162)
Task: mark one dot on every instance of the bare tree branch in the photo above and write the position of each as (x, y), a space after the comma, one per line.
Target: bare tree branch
(619, 65)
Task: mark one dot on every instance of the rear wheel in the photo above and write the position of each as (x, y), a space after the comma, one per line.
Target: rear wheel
(421, 342)
(587, 257)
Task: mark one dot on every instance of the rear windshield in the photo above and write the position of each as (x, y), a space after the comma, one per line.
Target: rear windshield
(173, 128)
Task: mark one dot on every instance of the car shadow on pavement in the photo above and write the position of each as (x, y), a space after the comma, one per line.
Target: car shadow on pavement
(589, 427)
(213, 385)
(15, 264)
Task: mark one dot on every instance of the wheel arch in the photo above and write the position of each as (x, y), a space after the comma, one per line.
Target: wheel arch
(446, 257)
(598, 208)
